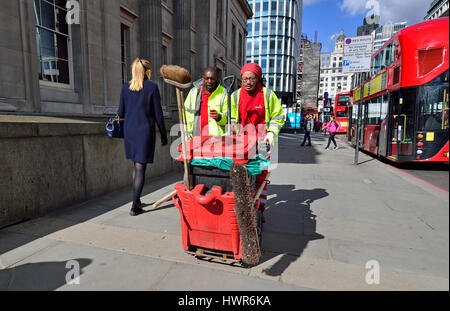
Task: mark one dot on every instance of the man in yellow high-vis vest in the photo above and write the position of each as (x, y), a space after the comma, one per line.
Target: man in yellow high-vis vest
(207, 107)
(256, 105)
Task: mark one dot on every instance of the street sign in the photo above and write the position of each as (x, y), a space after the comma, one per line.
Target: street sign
(357, 54)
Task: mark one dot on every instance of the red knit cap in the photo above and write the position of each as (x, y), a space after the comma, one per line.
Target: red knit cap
(252, 67)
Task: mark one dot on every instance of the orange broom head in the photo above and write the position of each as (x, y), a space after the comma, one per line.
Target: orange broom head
(175, 73)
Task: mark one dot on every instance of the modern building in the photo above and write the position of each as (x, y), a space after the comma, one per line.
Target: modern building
(438, 9)
(51, 67)
(274, 43)
(382, 34)
(370, 23)
(325, 59)
(332, 80)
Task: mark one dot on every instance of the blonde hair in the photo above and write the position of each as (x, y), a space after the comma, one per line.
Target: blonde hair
(139, 69)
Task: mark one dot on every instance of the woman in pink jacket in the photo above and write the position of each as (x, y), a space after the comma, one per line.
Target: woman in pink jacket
(333, 126)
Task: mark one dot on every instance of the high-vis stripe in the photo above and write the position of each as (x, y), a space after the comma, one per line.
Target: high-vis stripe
(222, 101)
(275, 125)
(197, 130)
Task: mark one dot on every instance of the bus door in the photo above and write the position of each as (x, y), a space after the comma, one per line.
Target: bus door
(392, 128)
(363, 124)
(406, 104)
(385, 138)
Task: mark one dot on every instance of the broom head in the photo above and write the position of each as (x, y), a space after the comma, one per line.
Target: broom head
(175, 73)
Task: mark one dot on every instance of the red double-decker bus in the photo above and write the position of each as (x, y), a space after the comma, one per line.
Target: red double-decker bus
(341, 112)
(405, 98)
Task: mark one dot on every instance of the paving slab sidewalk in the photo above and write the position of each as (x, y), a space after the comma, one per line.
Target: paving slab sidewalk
(326, 220)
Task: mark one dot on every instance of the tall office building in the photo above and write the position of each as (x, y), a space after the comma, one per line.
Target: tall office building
(274, 43)
(382, 34)
(370, 23)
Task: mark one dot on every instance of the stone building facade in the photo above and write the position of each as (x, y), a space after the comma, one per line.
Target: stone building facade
(309, 84)
(438, 9)
(52, 67)
(332, 80)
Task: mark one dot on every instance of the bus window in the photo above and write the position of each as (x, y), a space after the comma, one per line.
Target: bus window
(381, 60)
(343, 100)
(355, 114)
(384, 107)
(342, 114)
(389, 57)
(433, 104)
(374, 111)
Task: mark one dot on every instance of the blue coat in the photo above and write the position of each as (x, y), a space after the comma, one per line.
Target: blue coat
(141, 111)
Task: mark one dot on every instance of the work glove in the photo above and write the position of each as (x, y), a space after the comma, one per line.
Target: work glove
(270, 138)
(215, 115)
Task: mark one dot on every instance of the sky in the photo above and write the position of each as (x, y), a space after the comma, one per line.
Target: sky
(329, 17)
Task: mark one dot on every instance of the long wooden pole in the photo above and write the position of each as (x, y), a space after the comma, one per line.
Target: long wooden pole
(183, 137)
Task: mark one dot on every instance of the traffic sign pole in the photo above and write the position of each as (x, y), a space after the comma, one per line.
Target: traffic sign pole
(357, 55)
(358, 126)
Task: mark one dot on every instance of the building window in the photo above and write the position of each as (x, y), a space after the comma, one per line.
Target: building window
(53, 41)
(241, 48)
(233, 42)
(125, 52)
(219, 19)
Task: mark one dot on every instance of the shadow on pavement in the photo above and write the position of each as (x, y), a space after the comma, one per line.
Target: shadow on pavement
(42, 276)
(290, 225)
(65, 217)
(299, 154)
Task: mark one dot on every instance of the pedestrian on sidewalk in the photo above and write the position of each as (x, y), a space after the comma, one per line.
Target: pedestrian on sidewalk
(140, 106)
(333, 126)
(316, 125)
(259, 106)
(309, 126)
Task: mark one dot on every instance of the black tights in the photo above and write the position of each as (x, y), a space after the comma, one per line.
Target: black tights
(138, 182)
(331, 139)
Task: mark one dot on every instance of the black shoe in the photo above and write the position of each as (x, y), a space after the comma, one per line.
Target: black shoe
(309, 145)
(136, 209)
(302, 145)
(135, 212)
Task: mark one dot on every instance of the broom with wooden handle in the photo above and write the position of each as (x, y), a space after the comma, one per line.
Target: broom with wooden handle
(245, 215)
(181, 79)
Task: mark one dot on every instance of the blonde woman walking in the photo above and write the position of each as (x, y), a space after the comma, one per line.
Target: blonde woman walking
(140, 106)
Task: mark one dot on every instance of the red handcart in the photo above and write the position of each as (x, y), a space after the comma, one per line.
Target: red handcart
(209, 225)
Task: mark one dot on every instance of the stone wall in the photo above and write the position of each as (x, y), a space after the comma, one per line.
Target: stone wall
(49, 163)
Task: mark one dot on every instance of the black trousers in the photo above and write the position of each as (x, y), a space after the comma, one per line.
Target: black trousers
(332, 139)
(307, 136)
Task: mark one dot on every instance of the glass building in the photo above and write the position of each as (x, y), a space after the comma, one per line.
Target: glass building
(273, 42)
